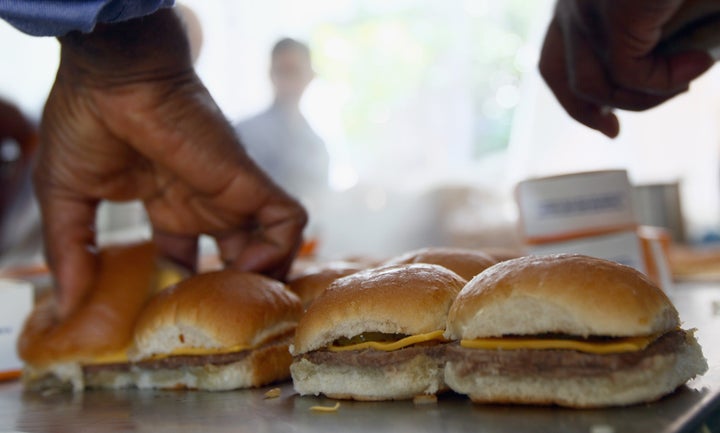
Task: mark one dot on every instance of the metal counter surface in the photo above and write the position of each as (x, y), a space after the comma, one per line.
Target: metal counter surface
(248, 411)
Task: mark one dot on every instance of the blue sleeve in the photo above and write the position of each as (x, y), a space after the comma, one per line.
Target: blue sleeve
(58, 17)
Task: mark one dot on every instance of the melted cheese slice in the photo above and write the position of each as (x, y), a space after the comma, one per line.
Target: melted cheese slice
(109, 358)
(617, 345)
(168, 275)
(195, 351)
(392, 345)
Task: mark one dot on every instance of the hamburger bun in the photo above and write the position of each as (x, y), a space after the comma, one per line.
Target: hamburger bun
(465, 262)
(403, 300)
(210, 316)
(101, 328)
(313, 281)
(578, 298)
(565, 294)
(387, 300)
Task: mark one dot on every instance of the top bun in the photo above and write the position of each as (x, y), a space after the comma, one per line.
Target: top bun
(567, 294)
(314, 280)
(464, 262)
(402, 299)
(216, 310)
(102, 325)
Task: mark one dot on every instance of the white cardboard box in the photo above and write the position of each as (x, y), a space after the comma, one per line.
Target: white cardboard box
(587, 213)
(16, 302)
(622, 247)
(575, 205)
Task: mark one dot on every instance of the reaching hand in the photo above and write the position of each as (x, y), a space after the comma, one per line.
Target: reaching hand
(128, 119)
(600, 54)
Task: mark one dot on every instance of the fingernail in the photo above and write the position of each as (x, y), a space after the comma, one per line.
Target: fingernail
(607, 123)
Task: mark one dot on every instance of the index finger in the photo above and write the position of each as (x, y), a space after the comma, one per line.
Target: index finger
(69, 238)
(554, 70)
(271, 246)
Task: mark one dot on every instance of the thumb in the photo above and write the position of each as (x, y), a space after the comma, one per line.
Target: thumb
(69, 236)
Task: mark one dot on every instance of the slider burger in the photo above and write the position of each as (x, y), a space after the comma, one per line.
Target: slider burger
(465, 262)
(216, 331)
(313, 281)
(376, 334)
(88, 349)
(569, 330)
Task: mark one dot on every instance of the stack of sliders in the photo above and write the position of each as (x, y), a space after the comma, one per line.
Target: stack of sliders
(216, 331)
(376, 334)
(465, 262)
(568, 330)
(312, 281)
(74, 352)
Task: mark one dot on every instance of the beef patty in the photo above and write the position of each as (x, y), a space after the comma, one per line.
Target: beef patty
(557, 362)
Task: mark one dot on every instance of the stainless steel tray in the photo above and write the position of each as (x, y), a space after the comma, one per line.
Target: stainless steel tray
(249, 411)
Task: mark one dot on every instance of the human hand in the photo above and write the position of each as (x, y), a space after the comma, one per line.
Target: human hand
(127, 118)
(601, 54)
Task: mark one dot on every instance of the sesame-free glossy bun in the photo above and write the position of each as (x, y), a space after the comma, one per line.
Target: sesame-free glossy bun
(216, 310)
(567, 294)
(465, 262)
(313, 281)
(402, 299)
(103, 324)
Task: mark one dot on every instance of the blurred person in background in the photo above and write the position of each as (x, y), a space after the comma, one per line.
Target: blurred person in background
(280, 139)
(20, 238)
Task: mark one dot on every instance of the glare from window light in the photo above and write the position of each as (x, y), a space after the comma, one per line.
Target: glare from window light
(507, 96)
(491, 109)
(376, 199)
(337, 49)
(342, 177)
(476, 8)
(508, 45)
(379, 114)
(393, 37)
(525, 58)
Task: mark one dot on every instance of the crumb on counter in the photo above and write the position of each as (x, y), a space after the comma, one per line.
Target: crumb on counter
(326, 408)
(425, 399)
(602, 428)
(272, 393)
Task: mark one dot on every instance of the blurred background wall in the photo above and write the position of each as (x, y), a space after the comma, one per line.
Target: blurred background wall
(431, 112)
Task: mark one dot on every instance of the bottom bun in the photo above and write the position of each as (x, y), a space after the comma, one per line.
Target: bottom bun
(266, 364)
(654, 378)
(419, 375)
(61, 375)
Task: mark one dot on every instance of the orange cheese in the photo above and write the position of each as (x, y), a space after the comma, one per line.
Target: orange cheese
(195, 351)
(109, 358)
(616, 345)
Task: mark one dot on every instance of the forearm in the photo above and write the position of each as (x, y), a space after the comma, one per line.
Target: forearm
(138, 50)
